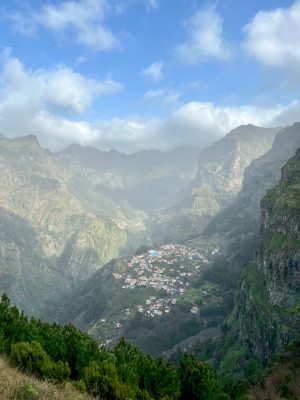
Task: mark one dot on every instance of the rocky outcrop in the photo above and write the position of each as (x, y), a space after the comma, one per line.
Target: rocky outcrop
(222, 165)
(267, 304)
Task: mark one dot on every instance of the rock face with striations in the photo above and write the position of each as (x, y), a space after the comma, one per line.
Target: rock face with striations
(218, 180)
(267, 306)
(222, 165)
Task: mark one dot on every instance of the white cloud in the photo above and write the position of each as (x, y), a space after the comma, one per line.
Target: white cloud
(273, 37)
(83, 19)
(60, 87)
(166, 96)
(204, 39)
(154, 94)
(33, 102)
(22, 24)
(80, 60)
(195, 124)
(154, 72)
(152, 4)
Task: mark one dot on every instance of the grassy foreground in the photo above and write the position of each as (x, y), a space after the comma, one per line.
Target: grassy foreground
(14, 385)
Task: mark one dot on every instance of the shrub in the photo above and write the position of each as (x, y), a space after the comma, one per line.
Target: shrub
(32, 358)
(25, 392)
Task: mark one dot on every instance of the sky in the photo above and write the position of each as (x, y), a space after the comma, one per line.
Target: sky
(144, 74)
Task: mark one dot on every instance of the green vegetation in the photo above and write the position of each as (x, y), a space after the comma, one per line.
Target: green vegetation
(277, 241)
(25, 392)
(281, 378)
(17, 385)
(287, 193)
(59, 354)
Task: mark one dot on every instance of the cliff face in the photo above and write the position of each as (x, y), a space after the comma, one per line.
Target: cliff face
(222, 165)
(218, 180)
(267, 305)
(280, 236)
(239, 223)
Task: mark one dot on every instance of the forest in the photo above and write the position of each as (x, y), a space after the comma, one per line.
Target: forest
(63, 353)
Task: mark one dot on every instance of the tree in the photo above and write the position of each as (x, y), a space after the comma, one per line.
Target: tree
(198, 379)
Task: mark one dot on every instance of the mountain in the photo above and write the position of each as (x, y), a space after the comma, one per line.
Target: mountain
(239, 223)
(218, 180)
(108, 307)
(147, 180)
(54, 229)
(67, 243)
(63, 216)
(267, 306)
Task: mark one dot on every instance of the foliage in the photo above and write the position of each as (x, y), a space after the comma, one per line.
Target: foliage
(281, 378)
(59, 353)
(277, 241)
(32, 358)
(198, 379)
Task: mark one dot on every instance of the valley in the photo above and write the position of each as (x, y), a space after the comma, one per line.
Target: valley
(78, 250)
(149, 200)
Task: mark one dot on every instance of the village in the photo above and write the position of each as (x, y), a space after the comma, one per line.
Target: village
(168, 271)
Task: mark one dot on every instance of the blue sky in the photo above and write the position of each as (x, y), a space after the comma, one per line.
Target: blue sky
(139, 74)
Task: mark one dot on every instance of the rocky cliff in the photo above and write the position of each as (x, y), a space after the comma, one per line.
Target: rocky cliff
(239, 223)
(267, 305)
(218, 180)
(222, 165)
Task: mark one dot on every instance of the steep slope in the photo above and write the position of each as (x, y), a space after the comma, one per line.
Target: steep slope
(267, 305)
(16, 385)
(211, 291)
(54, 232)
(239, 223)
(218, 181)
(222, 165)
(154, 301)
(281, 379)
(64, 216)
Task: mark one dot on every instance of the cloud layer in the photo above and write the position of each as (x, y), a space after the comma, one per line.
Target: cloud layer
(51, 103)
(34, 102)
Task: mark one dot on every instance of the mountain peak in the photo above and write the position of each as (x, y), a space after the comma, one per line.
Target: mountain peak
(21, 141)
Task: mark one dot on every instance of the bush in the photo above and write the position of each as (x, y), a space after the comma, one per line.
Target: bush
(101, 379)
(198, 379)
(32, 358)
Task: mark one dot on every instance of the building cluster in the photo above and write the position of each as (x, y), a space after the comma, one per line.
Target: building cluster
(168, 270)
